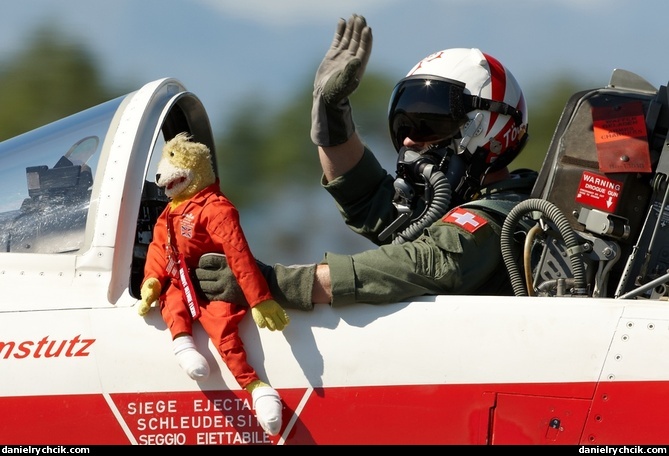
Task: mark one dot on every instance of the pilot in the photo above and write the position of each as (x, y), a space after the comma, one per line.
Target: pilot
(457, 120)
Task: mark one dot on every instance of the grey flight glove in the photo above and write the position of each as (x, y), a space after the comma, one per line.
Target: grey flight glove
(290, 285)
(336, 79)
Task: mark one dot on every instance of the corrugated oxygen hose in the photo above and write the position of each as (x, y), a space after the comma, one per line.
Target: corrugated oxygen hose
(438, 205)
(553, 213)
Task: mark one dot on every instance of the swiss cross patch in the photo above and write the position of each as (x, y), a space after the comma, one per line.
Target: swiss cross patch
(464, 219)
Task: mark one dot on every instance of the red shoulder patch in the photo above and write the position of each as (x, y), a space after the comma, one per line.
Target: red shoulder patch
(464, 219)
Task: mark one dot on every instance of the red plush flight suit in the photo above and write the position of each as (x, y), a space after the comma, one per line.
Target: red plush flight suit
(208, 222)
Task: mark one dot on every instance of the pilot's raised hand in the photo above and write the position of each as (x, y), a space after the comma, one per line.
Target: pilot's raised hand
(337, 77)
(150, 293)
(269, 314)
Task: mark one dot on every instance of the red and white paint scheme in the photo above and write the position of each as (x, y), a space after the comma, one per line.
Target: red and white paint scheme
(79, 366)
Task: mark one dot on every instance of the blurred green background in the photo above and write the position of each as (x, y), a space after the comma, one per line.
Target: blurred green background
(267, 163)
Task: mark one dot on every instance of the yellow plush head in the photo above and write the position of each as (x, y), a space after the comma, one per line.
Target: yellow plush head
(184, 168)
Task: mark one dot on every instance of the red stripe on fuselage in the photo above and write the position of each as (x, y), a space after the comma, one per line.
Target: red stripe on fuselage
(545, 413)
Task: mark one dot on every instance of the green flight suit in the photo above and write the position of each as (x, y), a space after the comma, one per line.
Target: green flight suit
(445, 259)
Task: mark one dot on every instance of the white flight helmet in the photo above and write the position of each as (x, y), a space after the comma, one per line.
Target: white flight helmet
(466, 96)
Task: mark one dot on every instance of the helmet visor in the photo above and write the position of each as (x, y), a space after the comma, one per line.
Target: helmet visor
(426, 108)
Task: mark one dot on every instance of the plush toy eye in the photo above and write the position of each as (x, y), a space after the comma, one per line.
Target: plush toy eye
(171, 154)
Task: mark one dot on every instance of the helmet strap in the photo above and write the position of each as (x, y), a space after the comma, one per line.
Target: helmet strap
(494, 106)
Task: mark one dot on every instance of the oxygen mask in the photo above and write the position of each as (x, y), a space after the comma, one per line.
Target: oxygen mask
(422, 190)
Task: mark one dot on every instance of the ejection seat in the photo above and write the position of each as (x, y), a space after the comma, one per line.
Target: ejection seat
(606, 170)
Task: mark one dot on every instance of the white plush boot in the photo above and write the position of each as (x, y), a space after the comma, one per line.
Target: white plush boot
(267, 404)
(189, 358)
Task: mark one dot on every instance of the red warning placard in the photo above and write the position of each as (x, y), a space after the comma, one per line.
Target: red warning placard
(621, 138)
(598, 191)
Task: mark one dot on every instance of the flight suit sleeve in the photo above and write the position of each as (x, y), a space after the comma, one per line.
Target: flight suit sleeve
(445, 259)
(472, 238)
(364, 197)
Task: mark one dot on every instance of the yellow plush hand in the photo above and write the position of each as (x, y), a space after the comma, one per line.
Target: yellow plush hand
(150, 293)
(269, 314)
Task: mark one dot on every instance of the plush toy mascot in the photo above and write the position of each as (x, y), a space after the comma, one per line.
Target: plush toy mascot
(200, 219)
